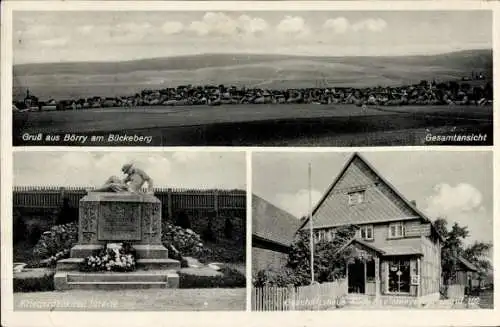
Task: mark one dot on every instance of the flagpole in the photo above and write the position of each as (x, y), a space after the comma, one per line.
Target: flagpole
(311, 225)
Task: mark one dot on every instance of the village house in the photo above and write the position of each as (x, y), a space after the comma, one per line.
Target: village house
(396, 250)
(467, 274)
(273, 231)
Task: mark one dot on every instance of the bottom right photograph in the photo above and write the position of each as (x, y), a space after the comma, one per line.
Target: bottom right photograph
(380, 229)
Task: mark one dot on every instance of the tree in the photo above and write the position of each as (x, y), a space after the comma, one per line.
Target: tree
(183, 220)
(228, 228)
(329, 257)
(453, 247)
(477, 253)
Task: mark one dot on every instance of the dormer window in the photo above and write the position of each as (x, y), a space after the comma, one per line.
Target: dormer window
(356, 197)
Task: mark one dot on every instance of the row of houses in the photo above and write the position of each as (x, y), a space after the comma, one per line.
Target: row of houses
(399, 245)
(424, 93)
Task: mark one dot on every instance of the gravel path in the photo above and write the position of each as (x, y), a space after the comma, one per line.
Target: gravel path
(138, 300)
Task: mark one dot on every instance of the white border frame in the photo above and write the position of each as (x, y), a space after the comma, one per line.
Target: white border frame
(343, 317)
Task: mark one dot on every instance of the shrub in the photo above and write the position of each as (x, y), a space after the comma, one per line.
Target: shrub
(228, 229)
(183, 220)
(230, 278)
(59, 238)
(44, 283)
(67, 214)
(282, 278)
(184, 241)
(209, 235)
(19, 227)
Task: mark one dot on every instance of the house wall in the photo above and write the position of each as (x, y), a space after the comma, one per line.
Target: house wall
(430, 267)
(413, 229)
(265, 257)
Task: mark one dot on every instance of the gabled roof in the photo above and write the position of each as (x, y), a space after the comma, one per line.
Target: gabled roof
(272, 223)
(385, 210)
(393, 248)
(468, 265)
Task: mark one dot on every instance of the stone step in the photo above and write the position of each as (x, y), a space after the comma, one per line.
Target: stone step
(115, 285)
(64, 280)
(115, 277)
(147, 264)
(69, 264)
(152, 264)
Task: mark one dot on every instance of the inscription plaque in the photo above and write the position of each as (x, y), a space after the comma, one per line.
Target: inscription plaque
(119, 222)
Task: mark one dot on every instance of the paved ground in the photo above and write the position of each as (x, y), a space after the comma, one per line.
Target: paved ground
(140, 300)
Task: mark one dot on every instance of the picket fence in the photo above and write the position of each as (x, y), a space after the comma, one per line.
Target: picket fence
(173, 199)
(311, 297)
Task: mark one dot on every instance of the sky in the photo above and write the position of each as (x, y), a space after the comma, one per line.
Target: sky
(455, 185)
(200, 170)
(58, 36)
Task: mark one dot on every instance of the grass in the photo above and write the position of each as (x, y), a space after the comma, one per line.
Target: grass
(137, 300)
(254, 125)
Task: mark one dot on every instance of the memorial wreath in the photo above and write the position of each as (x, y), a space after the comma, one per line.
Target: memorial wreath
(114, 257)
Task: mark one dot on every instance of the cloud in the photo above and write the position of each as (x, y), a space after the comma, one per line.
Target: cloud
(298, 203)
(372, 25)
(85, 29)
(186, 156)
(252, 25)
(449, 201)
(133, 27)
(220, 24)
(341, 25)
(180, 169)
(34, 31)
(293, 25)
(56, 42)
(171, 28)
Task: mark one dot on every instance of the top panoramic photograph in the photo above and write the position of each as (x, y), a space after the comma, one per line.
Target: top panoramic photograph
(256, 78)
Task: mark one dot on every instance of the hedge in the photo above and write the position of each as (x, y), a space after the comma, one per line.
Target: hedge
(231, 278)
(43, 283)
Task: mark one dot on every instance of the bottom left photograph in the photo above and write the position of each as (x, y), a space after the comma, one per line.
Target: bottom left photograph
(114, 230)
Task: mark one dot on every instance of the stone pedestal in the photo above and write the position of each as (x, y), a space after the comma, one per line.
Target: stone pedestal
(113, 218)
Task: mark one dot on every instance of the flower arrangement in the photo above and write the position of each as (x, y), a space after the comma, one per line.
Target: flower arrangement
(114, 257)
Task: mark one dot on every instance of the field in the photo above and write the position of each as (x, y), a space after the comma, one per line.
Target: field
(258, 125)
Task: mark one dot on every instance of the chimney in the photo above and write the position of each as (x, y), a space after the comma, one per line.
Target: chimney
(413, 203)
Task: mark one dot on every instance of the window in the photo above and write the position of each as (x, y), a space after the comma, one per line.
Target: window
(399, 276)
(327, 234)
(367, 232)
(319, 235)
(396, 230)
(356, 197)
(331, 234)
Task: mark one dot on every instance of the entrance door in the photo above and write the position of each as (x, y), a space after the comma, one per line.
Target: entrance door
(356, 277)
